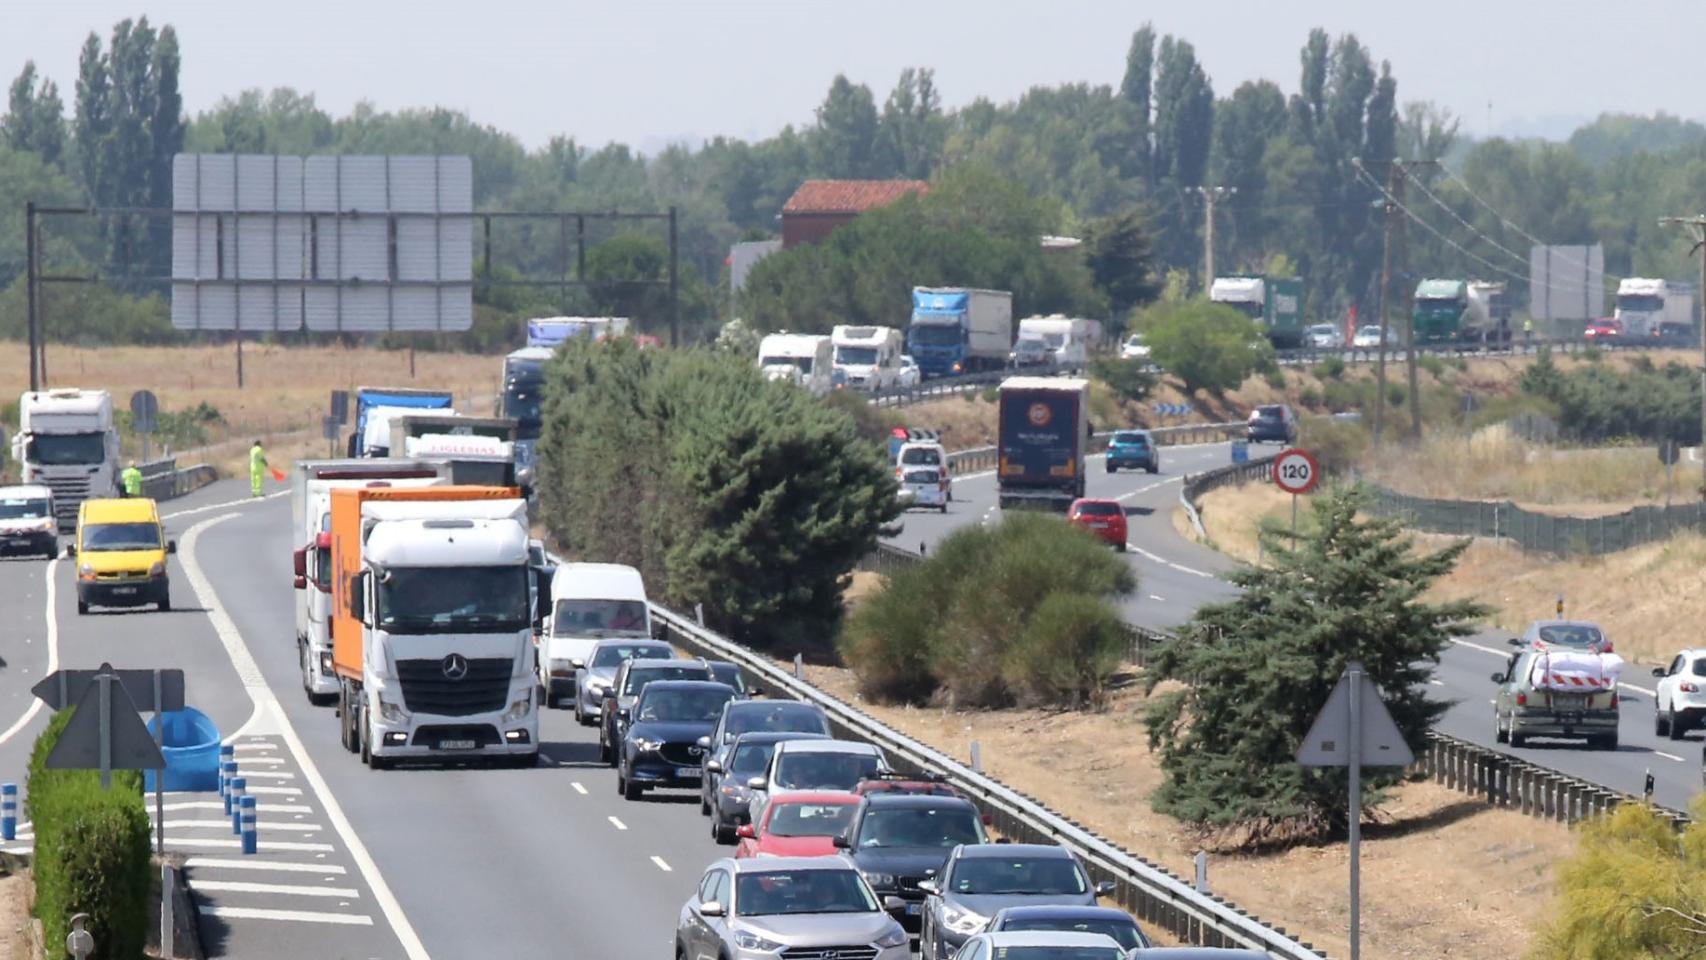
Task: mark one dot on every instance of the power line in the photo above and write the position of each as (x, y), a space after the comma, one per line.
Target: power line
(1411, 214)
(1469, 226)
(1508, 223)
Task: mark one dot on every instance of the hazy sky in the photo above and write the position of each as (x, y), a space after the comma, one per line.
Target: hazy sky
(646, 73)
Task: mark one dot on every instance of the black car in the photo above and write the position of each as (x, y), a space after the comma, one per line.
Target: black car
(900, 840)
(660, 743)
(723, 671)
(723, 790)
(1030, 353)
(630, 680)
(1272, 422)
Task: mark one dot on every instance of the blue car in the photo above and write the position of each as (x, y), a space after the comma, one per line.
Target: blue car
(1133, 450)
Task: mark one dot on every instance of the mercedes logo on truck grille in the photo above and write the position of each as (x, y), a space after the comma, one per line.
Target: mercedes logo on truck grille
(455, 667)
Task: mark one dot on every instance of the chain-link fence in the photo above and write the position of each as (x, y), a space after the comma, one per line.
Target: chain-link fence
(1537, 532)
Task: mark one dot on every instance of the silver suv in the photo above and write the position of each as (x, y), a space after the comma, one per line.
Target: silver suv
(753, 909)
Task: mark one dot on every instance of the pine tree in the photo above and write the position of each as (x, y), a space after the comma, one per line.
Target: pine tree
(1256, 670)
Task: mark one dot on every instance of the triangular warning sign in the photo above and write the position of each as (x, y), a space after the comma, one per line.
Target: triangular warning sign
(131, 745)
(1329, 741)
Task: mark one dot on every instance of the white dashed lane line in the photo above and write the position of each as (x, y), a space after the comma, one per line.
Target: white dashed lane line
(1668, 756)
(662, 866)
(578, 788)
(617, 823)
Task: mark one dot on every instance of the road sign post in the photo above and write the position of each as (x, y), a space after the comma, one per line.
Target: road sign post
(1296, 472)
(144, 415)
(1669, 454)
(1353, 730)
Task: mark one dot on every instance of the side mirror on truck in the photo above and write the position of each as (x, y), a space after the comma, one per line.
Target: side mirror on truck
(358, 596)
(299, 563)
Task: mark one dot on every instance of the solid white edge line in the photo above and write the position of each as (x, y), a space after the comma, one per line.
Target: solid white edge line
(1668, 756)
(52, 656)
(228, 504)
(237, 648)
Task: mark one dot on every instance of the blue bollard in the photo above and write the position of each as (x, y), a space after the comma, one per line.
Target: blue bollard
(8, 811)
(239, 789)
(249, 838)
(227, 771)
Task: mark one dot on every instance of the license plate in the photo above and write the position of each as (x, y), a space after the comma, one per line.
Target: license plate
(456, 744)
(914, 909)
(1573, 717)
(1098, 526)
(686, 773)
(123, 591)
(1569, 701)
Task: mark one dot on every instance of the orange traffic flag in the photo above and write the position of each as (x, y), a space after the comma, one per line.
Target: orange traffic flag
(277, 474)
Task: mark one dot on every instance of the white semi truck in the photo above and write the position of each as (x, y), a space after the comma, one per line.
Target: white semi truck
(66, 442)
(1650, 308)
(867, 357)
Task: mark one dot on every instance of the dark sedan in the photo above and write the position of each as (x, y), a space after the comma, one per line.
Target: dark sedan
(724, 793)
(899, 840)
(660, 745)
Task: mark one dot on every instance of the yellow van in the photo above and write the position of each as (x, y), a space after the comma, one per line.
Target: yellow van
(121, 554)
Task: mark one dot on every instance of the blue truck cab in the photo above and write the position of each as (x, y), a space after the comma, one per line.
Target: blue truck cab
(958, 330)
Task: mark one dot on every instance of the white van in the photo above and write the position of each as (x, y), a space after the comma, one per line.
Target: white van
(1068, 338)
(867, 358)
(807, 360)
(589, 602)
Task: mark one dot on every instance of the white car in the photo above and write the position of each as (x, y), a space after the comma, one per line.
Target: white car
(907, 375)
(833, 765)
(1680, 705)
(924, 487)
(1368, 338)
(1076, 944)
(1324, 336)
(1134, 348)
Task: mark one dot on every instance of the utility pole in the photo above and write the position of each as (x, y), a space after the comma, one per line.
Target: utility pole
(1697, 229)
(1392, 205)
(1390, 210)
(1210, 197)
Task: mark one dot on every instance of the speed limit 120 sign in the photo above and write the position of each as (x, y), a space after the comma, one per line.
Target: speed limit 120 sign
(1296, 471)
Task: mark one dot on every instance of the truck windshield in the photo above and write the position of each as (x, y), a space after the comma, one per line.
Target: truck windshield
(1437, 305)
(120, 536)
(600, 618)
(522, 401)
(24, 509)
(453, 599)
(936, 334)
(858, 356)
(66, 449)
(1640, 302)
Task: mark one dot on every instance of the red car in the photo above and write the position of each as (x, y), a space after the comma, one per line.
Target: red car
(1104, 518)
(798, 824)
(1605, 328)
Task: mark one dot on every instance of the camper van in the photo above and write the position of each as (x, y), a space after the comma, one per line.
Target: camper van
(867, 358)
(803, 359)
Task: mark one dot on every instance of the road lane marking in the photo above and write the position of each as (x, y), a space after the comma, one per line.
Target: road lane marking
(300, 916)
(1156, 558)
(661, 865)
(52, 656)
(217, 805)
(1437, 683)
(283, 889)
(267, 846)
(280, 791)
(1142, 490)
(1668, 756)
(1157, 599)
(264, 774)
(254, 746)
(229, 504)
(262, 825)
(617, 823)
(266, 703)
(218, 863)
(578, 788)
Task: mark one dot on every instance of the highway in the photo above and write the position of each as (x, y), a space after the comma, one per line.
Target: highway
(1175, 576)
(408, 863)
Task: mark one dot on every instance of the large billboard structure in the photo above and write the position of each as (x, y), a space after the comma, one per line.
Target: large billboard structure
(1566, 282)
(338, 243)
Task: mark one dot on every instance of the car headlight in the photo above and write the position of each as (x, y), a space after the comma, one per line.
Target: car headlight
(46, 525)
(158, 569)
(961, 920)
(896, 937)
(876, 879)
(648, 746)
(518, 709)
(747, 940)
(734, 790)
(391, 711)
(85, 570)
(597, 689)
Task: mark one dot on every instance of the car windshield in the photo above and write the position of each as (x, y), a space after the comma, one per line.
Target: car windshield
(936, 334)
(453, 599)
(679, 705)
(1641, 302)
(1055, 876)
(66, 449)
(1030, 346)
(1322, 329)
(751, 759)
(778, 892)
(1123, 932)
(99, 537)
(1372, 333)
(1055, 339)
(1130, 440)
(24, 509)
(523, 402)
(613, 654)
(857, 356)
(923, 476)
(809, 819)
(775, 717)
(637, 679)
(1103, 509)
(921, 455)
(803, 364)
(823, 771)
(919, 827)
(1571, 635)
(600, 618)
(1057, 953)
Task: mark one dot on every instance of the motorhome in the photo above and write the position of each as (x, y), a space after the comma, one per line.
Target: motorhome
(867, 357)
(806, 360)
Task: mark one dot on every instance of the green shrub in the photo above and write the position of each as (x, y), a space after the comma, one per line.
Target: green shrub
(1208, 346)
(1331, 368)
(1338, 445)
(1432, 363)
(874, 423)
(1394, 395)
(1018, 612)
(91, 851)
(1126, 378)
(1310, 397)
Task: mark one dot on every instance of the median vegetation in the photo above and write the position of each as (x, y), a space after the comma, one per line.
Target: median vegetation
(752, 498)
(1019, 612)
(1236, 689)
(91, 851)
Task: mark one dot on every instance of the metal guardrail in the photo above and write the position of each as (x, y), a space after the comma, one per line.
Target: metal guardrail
(163, 479)
(1517, 346)
(1515, 784)
(1152, 894)
(975, 458)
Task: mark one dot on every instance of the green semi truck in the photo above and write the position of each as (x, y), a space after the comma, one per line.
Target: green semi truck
(1274, 302)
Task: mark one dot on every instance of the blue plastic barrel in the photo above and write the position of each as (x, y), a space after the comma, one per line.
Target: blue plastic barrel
(191, 746)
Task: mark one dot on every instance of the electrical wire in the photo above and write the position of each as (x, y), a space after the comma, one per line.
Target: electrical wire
(1363, 172)
(1508, 223)
(1519, 258)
